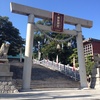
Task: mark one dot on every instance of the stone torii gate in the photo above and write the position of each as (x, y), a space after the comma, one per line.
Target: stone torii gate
(34, 12)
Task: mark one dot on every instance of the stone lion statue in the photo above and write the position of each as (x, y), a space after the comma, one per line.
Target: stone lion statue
(4, 50)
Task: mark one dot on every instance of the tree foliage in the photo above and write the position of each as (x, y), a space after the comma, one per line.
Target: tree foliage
(89, 64)
(10, 34)
(74, 55)
(49, 46)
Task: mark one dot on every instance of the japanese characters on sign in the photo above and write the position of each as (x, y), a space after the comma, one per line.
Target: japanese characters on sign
(57, 22)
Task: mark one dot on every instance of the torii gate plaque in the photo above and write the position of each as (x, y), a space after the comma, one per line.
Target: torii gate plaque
(34, 12)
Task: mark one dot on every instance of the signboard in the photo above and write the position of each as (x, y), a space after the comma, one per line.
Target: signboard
(57, 22)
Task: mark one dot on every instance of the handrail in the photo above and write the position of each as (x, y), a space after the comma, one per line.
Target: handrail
(65, 69)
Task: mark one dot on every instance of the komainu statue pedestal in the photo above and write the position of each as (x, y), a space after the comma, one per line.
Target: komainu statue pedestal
(6, 84)
(5, 73)
(95, 77)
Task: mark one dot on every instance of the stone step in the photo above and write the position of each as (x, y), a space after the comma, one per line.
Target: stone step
(43, 78)
(48, 84)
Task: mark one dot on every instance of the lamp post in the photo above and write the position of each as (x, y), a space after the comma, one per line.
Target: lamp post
(21, 54)
(57, 58)
(74, 67)
(39, 53)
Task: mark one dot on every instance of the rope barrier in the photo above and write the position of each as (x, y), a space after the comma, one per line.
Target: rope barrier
(54, 39)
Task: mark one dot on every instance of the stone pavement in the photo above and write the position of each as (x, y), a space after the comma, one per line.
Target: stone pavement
(54, 94)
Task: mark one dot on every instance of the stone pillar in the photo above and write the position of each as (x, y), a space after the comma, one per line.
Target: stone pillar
(28, 54)
(81, 59)
(95, 77)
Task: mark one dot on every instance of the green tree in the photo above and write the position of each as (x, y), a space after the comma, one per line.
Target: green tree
(37, 38)
(74, 54)
(89, 64)
(11, 34)
(50, 49)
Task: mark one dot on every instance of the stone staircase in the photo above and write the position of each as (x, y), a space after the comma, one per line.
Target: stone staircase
(42, 77)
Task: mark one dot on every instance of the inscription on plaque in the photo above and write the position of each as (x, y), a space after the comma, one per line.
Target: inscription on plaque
(57, 22)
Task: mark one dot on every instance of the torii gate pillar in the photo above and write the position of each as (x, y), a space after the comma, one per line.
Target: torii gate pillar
(28, 53)
(81, 59)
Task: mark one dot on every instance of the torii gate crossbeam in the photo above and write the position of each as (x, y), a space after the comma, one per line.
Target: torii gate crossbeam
(34, 12)
(26, 10)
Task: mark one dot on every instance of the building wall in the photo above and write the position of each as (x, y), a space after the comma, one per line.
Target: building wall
(88, 49)
(91, 47)
(96, 47)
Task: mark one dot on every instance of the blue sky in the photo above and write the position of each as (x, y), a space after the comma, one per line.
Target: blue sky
(86, 9)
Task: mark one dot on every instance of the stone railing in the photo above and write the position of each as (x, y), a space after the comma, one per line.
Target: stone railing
(65, 69)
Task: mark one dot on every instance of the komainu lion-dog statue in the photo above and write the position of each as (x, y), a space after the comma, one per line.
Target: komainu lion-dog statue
(4, 50)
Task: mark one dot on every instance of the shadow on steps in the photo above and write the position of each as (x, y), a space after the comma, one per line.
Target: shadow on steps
(42, 77)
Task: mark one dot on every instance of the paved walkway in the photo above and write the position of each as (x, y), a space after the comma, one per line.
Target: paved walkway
(54, 94)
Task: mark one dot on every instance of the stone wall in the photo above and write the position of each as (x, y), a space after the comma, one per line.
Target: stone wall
(7, 87)
(6, 83)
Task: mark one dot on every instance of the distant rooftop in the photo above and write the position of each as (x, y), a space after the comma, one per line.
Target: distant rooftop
(16, 57)
(90, 40)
